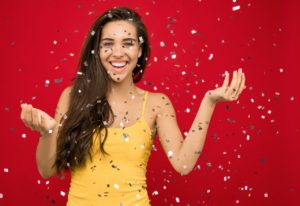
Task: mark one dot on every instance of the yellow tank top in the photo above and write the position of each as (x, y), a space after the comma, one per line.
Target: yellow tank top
(118, 179)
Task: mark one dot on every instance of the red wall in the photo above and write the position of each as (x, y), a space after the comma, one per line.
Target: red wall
(251, 154)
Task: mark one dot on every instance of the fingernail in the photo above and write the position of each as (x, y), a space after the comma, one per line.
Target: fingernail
(23, 105)
(226, 73)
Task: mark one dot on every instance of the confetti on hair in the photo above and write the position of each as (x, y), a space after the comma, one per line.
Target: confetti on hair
(141, 39)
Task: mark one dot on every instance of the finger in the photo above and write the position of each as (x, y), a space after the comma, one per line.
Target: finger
(231, 90)
(244, 83)
(35, 120)
(23, 112)
(28, 115)
(238, 83)
(242, 86)
(226, 81)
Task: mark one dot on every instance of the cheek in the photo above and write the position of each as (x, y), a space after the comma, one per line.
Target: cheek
(104, 53)
(133, 52)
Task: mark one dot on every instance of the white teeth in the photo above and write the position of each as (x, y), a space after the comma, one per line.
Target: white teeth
(118, 64)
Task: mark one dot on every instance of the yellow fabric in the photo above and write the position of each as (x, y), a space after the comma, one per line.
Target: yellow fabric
(118, 179)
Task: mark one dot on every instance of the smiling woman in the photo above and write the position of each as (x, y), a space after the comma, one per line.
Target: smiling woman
(104, 124)
(119, 49)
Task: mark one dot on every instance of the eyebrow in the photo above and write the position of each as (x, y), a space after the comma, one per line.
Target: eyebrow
(126, 39)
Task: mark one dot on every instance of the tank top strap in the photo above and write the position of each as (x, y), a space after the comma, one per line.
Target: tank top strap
(144, 103)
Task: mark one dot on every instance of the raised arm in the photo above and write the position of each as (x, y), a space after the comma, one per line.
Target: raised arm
(48, 128)
(184, 153)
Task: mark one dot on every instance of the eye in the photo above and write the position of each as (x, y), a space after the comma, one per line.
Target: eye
(107, 44)
(128, 44)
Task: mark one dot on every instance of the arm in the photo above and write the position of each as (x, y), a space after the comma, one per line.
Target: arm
(48, 128)
(46, 148)
(184, 153)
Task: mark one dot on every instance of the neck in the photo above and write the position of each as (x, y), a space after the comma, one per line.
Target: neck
(122, 90)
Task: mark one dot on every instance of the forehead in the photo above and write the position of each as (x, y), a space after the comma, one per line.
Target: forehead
(118, 29)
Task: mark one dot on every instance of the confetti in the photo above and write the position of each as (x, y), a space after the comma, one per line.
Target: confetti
(235, 8)
(109, 15)
(170, 154)
(58, 80)
(116, 186)
(162, 44)
(155, 193)
(193, 31)
(141, 39)
(248, 137)
(125, 136)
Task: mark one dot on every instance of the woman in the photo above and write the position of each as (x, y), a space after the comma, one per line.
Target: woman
(104, 124)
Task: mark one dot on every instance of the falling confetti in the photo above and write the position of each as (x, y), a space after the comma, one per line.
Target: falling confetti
(116, 186)
(235, 8)
(170, 154)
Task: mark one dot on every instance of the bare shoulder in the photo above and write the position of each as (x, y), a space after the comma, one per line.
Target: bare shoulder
(159, 101)
(158, 97)
(67, 90)
(65, 95)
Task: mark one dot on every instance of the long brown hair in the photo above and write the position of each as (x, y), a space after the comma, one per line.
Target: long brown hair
(89, 110)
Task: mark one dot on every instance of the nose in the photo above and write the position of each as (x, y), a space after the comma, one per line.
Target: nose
(117, 51)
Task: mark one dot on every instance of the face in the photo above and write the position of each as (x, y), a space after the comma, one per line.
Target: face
(119, 50)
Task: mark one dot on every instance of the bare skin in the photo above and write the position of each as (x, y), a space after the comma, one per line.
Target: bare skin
(119, 51)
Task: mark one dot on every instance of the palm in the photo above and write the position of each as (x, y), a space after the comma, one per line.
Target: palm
(228, 93)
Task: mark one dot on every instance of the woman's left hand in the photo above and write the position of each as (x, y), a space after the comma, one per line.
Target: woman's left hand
(228, 93)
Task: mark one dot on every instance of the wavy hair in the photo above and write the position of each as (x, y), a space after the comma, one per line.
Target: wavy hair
(89, 110)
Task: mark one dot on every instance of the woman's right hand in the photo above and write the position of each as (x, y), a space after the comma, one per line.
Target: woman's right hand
(37, 120)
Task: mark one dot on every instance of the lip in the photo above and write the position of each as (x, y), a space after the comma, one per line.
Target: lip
(118, 62)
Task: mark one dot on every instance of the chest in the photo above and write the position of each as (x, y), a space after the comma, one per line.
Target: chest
(131, 144)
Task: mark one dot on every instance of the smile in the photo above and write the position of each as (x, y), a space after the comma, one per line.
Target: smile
(118, 64)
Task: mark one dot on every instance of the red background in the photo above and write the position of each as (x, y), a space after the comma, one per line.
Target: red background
(251, 153)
